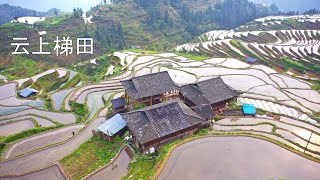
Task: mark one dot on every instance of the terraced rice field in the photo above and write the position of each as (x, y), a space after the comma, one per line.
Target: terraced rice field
(260, 85)
(53, 172)
(42, 122)
(294, 133)
(61, 73)
(63, 118)
(58, 97)
(16, 127)
(258, 81)
(272, 44)
(40, 141)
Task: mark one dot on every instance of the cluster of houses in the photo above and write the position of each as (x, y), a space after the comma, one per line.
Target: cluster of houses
(169, 112)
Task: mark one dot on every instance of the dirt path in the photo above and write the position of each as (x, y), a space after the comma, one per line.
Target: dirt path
(116, 170)
(237, 158)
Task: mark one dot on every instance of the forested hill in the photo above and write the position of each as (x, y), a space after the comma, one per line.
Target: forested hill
(164, 23)
(151, 24)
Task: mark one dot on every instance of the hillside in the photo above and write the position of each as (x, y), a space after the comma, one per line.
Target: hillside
(153, 25)
(286, 43)
(145, 22)
(8, 13)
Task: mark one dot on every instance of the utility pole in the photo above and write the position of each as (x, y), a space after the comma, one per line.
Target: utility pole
(307, 143)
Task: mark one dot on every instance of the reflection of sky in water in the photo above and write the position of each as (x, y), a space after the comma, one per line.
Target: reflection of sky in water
(315, 138)
(64, 5)
(304, 133)
(10, 110)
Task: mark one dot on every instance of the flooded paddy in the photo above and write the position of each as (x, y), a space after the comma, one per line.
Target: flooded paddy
(9, 110)
(41, 140)
(236, 158)
(50, 173)
(41, 121)
(16, 127)
(59, 97)
(7, 90)
(63, 118)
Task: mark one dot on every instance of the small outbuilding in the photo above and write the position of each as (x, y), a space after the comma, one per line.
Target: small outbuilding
(27, 92)
(118, 105)
(249, 110)
(251, 60)
(204, 111)
(112, 127)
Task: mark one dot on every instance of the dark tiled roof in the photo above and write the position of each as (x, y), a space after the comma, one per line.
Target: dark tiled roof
(160, 120)
(149, 85)
(205, 111)
(208, 92)
(120, 102)
(194, 94)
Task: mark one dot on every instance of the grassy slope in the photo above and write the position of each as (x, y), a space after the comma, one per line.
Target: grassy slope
(16, 67)
(90, 156)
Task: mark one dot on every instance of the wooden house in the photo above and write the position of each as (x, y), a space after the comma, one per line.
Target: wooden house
(150, 89)
(213, 92)
(118, 105)
(154, 126)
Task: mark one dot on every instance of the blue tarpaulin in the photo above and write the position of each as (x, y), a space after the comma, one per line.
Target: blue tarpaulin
(113, 125)
(27, 92)
(251, 60)
(249, 109)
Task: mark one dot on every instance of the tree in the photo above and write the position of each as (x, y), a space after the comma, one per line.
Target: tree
(55, 12)
(15, 18)
(274, 8)
(167, 17)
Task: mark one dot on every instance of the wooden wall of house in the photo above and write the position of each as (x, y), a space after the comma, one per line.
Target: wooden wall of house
(169, 138)
(186, 100)
(221, 104)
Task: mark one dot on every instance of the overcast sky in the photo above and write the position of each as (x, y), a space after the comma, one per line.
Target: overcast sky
(45, 5)
(68, 5)
(297, 5)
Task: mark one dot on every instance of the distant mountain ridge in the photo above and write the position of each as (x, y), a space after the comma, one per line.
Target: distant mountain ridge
(292, 5)
(8, 12)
